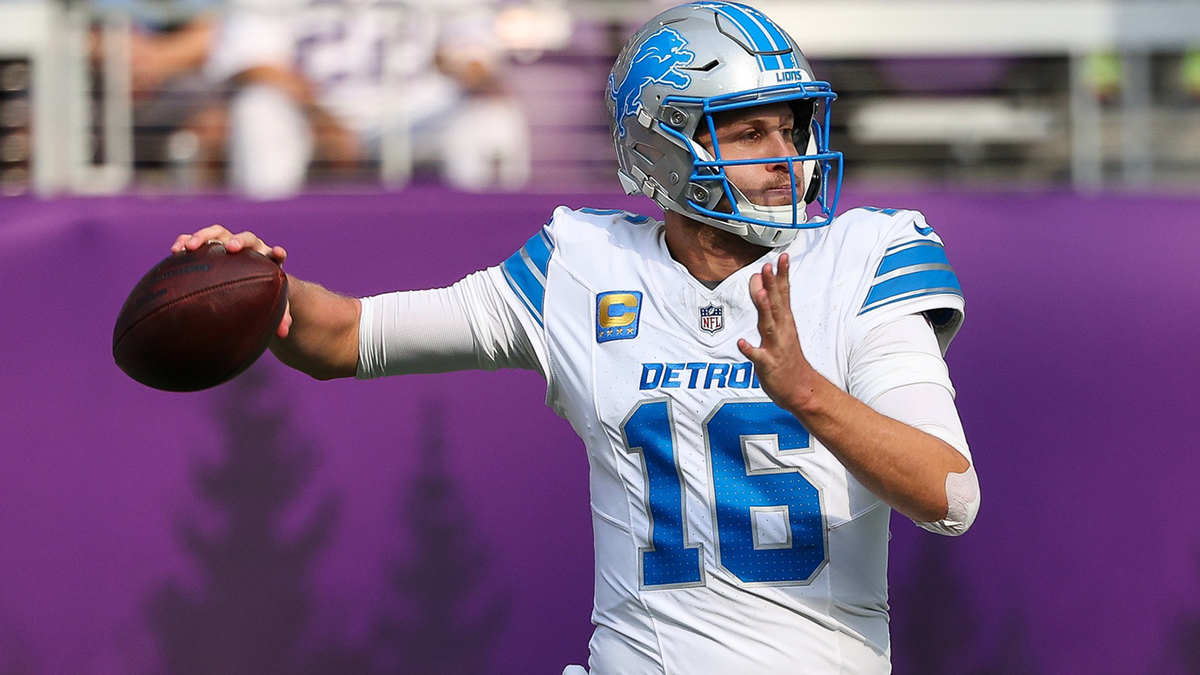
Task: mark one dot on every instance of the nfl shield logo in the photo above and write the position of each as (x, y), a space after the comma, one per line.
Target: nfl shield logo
(712, 318)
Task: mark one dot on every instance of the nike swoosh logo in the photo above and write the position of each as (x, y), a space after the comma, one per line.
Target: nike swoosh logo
(923, 231)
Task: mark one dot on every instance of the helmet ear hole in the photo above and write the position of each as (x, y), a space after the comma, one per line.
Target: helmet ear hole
(650, 154)
(802, 117)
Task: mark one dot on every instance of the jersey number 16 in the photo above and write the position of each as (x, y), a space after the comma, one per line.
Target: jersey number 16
(744, 499)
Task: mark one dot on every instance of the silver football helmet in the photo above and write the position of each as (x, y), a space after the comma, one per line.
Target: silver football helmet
(691, 62)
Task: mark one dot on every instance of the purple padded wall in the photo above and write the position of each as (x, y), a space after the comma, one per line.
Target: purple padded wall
(1076, 373)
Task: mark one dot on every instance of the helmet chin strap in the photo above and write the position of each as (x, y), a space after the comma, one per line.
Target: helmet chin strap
(779, 215)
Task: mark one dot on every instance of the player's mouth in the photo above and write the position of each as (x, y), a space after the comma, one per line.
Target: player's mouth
(775, 196)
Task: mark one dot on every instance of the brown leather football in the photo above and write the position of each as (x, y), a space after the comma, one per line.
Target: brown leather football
(199, 318)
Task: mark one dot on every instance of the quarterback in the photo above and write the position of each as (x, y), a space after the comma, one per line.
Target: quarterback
(758, 381)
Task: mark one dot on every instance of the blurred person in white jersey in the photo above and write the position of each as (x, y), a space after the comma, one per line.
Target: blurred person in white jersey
(757, 386)
(333, 80)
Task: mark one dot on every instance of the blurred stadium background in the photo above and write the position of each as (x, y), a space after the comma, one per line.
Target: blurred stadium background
(440, 524)
(114, 96)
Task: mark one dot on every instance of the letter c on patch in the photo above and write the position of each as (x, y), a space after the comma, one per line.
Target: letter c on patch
(617, 310)
(617, 315)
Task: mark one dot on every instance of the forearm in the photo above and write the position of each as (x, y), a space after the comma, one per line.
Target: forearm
(902, 465)
(185, 49)
(322, 340)
(286, 80)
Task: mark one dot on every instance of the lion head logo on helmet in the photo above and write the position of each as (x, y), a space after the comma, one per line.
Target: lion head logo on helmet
(657, 61)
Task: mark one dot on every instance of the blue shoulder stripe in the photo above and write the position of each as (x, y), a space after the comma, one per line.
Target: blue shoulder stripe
(912, 270)
(539, 249)
(914, 253)
(631, 217)
(525, 272)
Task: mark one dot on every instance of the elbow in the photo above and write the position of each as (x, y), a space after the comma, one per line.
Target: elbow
(947, 527)
(962, 505)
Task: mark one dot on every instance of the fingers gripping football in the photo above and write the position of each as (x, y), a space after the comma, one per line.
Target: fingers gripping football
(234, 243)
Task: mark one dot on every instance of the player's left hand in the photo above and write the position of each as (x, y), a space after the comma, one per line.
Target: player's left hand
(779, 361)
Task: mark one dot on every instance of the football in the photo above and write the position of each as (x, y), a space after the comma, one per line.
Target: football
(199, 318)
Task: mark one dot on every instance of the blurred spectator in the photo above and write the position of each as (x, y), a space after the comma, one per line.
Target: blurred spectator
(177, 112)
(339, 82)
(156, 58)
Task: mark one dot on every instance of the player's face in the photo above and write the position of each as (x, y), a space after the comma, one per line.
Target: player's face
(757, 133)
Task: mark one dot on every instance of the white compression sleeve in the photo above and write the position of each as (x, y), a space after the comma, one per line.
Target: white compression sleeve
(900, 373)
(930, 408)
(465, 326)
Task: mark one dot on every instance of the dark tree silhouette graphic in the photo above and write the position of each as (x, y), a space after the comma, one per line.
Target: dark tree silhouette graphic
(17, 654)
(1185, 636)
(1182, 651)
(935, 624)
(251, 613)
(444, 611)
(1012, 654)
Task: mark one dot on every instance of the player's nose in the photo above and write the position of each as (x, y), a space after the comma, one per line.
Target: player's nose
(781, 148)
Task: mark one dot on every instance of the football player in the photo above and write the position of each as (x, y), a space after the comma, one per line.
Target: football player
(758, 382)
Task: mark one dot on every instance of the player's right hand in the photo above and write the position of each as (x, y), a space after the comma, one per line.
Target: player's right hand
(234, 243)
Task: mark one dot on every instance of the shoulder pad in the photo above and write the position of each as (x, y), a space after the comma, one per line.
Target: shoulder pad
(909, 272)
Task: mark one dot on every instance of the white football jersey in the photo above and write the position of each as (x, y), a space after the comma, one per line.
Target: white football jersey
(728, 540)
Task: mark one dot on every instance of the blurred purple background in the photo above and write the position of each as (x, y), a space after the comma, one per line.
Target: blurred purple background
(1076, 374)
